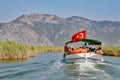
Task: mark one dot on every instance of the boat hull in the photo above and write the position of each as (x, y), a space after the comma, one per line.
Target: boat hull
(82, 57)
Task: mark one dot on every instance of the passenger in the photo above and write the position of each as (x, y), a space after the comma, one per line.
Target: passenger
(99, 51)
(85, 45)
(90, 49)
(99, 48)
(65, 48)
(72, 48)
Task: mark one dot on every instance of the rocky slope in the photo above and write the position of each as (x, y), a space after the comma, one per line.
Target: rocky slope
(47, 29)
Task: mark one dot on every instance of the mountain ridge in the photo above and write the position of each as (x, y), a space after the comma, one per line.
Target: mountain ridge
(48, 29)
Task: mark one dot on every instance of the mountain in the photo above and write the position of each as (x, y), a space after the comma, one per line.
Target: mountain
(47, 29)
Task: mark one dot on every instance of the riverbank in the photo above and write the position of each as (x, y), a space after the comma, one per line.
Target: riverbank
(111, 50)
(18, 51)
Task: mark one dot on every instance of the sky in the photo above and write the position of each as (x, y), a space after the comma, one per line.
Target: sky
(91, 9)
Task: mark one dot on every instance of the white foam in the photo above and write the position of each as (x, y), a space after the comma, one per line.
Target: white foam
(89, 69)
(57, 64)
(85, 66)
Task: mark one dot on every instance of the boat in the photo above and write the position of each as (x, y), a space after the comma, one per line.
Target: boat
(85, 53)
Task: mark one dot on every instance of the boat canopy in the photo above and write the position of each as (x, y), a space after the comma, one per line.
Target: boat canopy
(92, 41)
(88, 41)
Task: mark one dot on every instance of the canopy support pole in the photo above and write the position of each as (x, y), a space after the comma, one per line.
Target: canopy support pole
(85, 58)
(102, 59)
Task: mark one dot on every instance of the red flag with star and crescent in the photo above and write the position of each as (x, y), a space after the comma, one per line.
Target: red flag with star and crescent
(79, 36)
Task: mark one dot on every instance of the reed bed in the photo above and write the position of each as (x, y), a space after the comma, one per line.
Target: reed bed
(10, 50)
(111, 50)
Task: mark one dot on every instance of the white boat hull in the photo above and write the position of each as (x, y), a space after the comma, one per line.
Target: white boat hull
(82, 57)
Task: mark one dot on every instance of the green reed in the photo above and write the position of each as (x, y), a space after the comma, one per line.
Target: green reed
(10, 50)
(111, 50)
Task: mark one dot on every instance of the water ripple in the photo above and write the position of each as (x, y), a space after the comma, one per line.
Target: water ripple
(49, 67)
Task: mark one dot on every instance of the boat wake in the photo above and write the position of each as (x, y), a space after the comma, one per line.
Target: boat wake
(91, 71)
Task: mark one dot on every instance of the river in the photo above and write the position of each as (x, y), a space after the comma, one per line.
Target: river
(48, 66)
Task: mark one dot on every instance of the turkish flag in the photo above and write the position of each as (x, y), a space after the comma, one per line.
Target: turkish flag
(79, 36)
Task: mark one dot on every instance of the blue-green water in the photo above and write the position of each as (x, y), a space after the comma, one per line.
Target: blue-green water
(48, 67)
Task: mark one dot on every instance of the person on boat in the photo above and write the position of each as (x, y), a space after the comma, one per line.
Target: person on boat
(99, 50)
(65, 48)
(85, 45)
(91, 49)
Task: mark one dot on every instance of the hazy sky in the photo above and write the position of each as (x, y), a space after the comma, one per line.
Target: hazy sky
(91, 9)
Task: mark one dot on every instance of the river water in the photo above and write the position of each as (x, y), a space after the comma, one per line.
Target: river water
(48, 66)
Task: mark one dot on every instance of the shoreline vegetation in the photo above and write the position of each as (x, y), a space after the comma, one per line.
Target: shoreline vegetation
(111, 51)
(10, 50)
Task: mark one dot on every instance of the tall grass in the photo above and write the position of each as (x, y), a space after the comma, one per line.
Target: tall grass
(13, 51)
(10, 50)
(111, 50)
